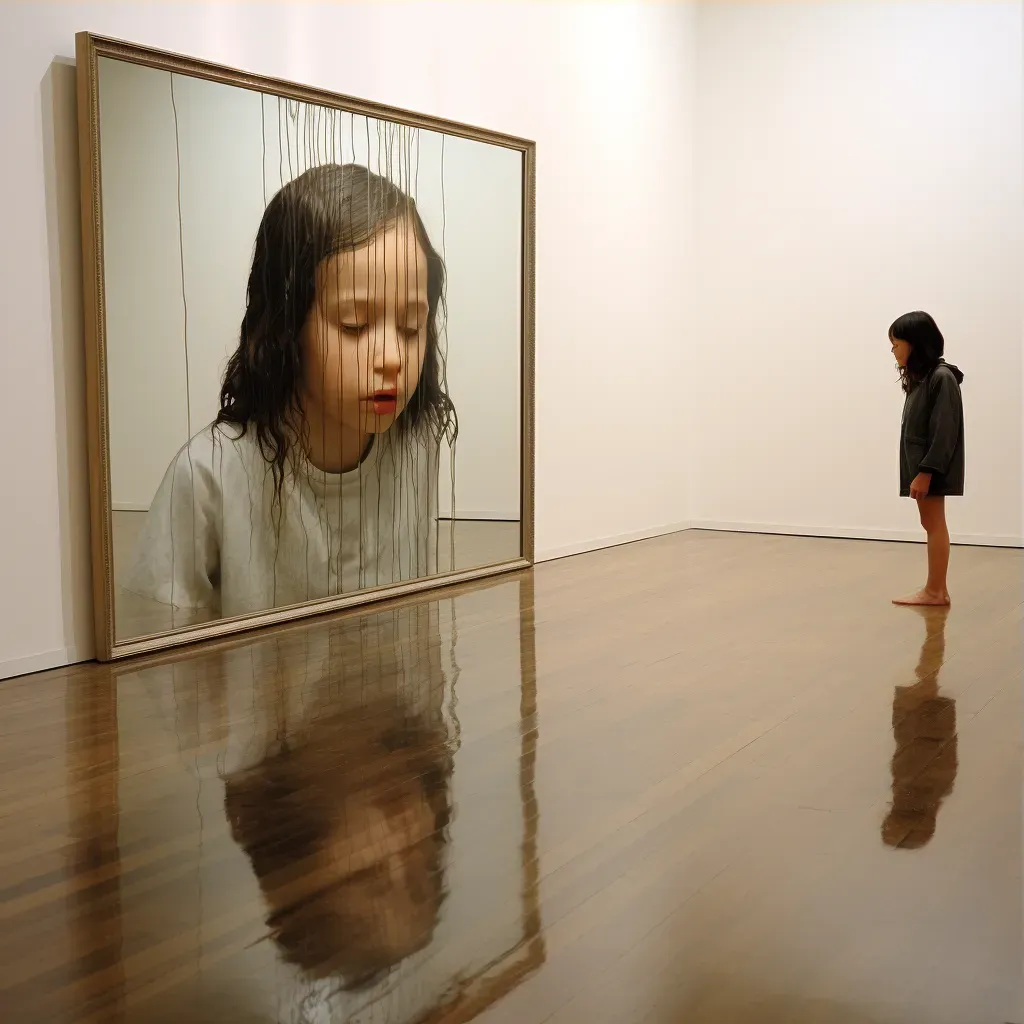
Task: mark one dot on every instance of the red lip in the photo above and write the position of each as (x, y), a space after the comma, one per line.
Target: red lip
(384, 402)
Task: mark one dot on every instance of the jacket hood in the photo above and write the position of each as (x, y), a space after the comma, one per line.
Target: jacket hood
(957, 372)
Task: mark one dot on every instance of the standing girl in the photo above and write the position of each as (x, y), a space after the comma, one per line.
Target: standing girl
(931, 440)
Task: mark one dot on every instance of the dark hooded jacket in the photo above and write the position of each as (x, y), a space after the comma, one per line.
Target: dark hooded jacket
(932, 437)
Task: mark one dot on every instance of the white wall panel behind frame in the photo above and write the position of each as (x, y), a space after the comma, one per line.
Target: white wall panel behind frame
(854, 161)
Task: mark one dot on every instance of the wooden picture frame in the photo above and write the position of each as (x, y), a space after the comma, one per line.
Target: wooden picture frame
(90, 49)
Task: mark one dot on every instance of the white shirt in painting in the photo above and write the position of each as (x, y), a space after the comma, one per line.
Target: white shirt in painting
(216, 541)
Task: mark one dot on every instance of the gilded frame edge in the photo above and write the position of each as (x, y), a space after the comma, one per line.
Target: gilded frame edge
(88, 49)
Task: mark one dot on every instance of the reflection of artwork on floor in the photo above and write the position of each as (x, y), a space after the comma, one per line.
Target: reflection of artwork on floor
(333, 853)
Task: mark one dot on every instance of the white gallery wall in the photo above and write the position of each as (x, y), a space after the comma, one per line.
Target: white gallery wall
(714, 277)
(855, 160)
(614, 247)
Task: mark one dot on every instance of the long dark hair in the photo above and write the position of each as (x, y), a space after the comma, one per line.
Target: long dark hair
(926, 343)
(284, 811)
(328, 209)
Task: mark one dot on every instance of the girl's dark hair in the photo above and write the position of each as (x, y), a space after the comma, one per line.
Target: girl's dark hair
(283, 811)
(927, 345)
(329, 209)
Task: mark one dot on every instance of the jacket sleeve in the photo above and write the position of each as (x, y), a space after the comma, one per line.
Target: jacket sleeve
(943, 424)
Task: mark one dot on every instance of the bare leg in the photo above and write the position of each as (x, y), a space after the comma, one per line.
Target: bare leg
(933, 519)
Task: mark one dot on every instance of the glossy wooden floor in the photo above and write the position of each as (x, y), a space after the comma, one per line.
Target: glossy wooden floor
(707, 779)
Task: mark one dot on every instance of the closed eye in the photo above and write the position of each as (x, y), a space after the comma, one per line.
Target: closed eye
(410, 332)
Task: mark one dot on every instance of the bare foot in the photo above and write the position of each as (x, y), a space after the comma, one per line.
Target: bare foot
(923, 598)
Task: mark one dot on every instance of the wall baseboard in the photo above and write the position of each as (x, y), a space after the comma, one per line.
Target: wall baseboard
(481, 516)
(598, 543)
(774, 529)
(60, 658)
(478, 517)
(842, 533)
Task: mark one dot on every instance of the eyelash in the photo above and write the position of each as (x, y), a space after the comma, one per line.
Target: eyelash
(409, 332)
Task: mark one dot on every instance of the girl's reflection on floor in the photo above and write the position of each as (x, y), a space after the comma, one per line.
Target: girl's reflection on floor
(924, 764)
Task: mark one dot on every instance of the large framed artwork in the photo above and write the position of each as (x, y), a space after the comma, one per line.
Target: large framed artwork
(310, 348)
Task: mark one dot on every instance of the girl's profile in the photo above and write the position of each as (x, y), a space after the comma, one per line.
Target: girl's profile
(931, 440)
(319, 475)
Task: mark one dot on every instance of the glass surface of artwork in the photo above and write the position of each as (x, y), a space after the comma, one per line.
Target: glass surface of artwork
(312, 330)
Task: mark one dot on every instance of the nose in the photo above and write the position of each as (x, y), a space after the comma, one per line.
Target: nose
(388, 351)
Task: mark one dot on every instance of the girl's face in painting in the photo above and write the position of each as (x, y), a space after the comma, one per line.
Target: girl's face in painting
(370, 894)
(900, 350)
(387, 887)
(365, 338)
